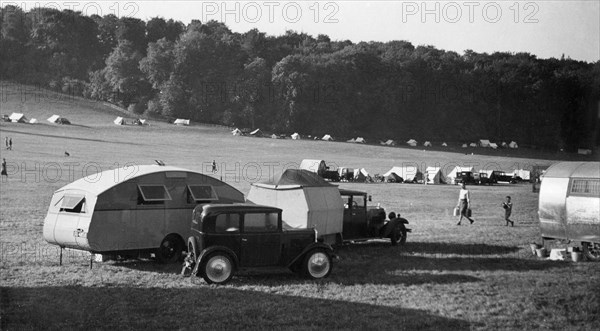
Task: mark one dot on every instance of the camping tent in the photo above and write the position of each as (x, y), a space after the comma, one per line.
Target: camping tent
(53, 118)
(295, 136)
(434, 175)
(360, 140)
(18, 118)
(236, 132)
(427, 144)
(504, 144)
(412, 143)
(523, 174)
(513, 144)
(393, 178)
(408, 173)
(316, 166)
(493, 145)
(306, 199)
(484, 143)
(32, 121)
(464, 146)
(451, 177)
(327, 138)
(119, 121)
(390, 142)
(255, 132)
(360, 175)
(473, 145)
(444, 144)
(274, 136)
(180, 121)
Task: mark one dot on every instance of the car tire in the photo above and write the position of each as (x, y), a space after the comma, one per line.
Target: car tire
(398, 236)
(170, 249)
(317, 264)
(217, 268)
(591, 251)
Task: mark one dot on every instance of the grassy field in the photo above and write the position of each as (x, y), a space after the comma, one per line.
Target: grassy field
(480, 276)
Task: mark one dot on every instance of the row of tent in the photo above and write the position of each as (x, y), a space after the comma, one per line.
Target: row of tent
(121, 121)
(435, 175)
(21, 118)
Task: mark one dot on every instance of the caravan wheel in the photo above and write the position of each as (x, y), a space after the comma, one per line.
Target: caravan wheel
(170, 249)
(591, 251)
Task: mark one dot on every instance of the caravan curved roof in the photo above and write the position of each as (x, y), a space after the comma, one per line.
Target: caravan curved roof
(102, 181)
(573, 170)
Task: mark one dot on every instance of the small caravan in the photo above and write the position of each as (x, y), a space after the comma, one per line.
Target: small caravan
(132, 210)
(569, 205)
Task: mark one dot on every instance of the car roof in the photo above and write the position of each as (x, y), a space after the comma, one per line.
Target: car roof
(238, 207)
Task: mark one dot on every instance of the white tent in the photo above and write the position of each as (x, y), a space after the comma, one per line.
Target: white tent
(295, 136)
(327, 138)
(317, 166)
(412, 143)
(451, 177)
(236, 132)
(390, 142)
(427, 144)
(181, 121)
(143, 121)
(434, 175)
(524, 174)
(274, 136)
(119, 121)
(473, 145)
(306, 199)
(408, 173)
(444, 144)
(360, 175)
(351, 140)
(464, 146)
(18, 118)
(504, 144)
(493, 145)
(484, 143)
(32, 121)
(255, 132)
(360, 140)
(513, 144)
(53, 118)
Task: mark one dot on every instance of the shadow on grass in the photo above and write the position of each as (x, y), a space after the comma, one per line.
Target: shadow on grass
(457, 248)
(75, 138)
(205, 307)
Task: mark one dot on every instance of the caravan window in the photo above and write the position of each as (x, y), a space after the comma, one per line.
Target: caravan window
(153, 194)
(201, 193)
(585, 187)
(72, 203)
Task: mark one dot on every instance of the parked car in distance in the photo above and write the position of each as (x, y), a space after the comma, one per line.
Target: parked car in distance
(362, 222)
(229, 237)
(487, 177)
(502, 176)
(468, 177)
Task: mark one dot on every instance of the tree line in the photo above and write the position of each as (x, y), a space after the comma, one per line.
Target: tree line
(296, 82)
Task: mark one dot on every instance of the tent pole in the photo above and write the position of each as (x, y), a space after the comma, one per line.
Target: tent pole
(60, 256)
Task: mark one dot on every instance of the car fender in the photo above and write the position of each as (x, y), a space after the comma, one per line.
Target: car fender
(207, 251)
(309, 248)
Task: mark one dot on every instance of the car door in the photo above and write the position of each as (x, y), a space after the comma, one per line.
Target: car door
(260, 240)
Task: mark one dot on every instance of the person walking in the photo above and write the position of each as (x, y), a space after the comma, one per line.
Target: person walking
(3, 171)
(214, 166)
(507, 205)
(10, 144)
(464, 203)
(6, 142)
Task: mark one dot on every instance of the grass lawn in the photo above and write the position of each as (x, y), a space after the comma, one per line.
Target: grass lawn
(480, 276)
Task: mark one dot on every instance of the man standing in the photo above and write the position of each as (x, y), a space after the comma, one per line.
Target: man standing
(3, 171)
(214, 166)
(464, 203)
(507, 205)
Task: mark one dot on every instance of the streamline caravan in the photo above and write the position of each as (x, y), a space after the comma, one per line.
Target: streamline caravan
(569, 205)
(148, 210)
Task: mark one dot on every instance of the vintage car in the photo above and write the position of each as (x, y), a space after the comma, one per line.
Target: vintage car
(363, 223)
(468, 177)
(230, 237)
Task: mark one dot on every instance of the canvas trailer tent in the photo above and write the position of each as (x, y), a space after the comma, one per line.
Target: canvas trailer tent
(181, 121)
(132, 211)
(306, 200)
(569, 205)
(18, 118)
(408, 173)
(317, 166)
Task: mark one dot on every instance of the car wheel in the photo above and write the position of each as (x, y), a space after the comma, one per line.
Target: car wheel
(217, 268)
(591, 251)
(317, 264)
(170, 249)
(398, 236)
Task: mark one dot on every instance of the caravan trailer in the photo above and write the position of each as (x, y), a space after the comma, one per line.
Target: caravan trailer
(134, 210)
(569, 205)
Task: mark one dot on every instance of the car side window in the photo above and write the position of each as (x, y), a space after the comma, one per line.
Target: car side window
(260, 222)
(358, 201)
(227, 223)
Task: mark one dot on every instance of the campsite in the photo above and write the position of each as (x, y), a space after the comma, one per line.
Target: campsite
(482, 276)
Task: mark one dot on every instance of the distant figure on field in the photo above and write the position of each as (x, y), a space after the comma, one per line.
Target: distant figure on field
(10, 144)
(4, 173)
(464, 203)
(214, 166)
(6, 142)
(507, 205)
(67, 153)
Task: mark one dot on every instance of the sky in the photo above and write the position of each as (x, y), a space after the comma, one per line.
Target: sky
(543, 28)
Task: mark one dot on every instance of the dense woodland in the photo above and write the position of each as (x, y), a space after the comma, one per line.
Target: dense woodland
(298, 82)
